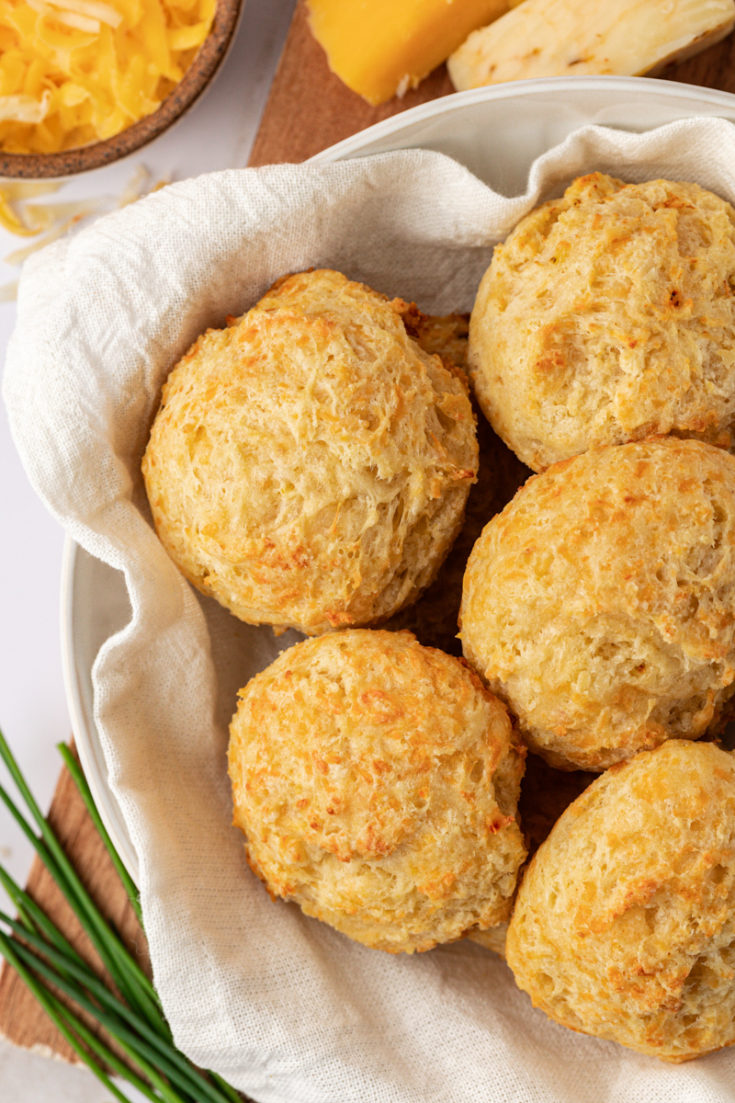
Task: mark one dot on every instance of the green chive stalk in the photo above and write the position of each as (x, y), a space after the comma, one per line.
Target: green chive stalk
(128, 1010)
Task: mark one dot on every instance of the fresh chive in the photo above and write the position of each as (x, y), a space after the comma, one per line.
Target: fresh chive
(35, 919)
(60, 1018)
(133, 1048)
(38, 949)
(110, 1058)
(114, 955)
(227, 1089)
(119, 962)
(86, 794)
(172, 1063)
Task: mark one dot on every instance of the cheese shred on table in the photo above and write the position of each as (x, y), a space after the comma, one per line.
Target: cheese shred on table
(77, 71)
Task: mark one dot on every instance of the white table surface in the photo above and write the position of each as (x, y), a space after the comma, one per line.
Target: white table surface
(217, 133)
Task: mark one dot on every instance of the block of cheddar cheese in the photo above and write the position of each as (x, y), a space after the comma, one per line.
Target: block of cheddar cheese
(381, 48)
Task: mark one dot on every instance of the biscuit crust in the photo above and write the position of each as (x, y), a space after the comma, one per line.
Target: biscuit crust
(310, 463)
(624, 925)
(609, 315)
(600, 604)
(376, 782)
(545, 793)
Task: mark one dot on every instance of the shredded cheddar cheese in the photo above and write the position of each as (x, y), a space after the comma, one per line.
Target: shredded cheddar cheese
(77, 71)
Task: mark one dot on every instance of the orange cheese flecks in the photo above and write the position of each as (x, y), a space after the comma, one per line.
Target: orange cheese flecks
(381, 48)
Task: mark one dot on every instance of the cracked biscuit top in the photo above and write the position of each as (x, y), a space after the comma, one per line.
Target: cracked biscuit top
(376, 781)
(600, 604)
(310, 463)
(609, 315)
(624, 925)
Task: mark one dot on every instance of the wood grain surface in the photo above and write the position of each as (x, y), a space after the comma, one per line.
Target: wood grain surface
(308, 110)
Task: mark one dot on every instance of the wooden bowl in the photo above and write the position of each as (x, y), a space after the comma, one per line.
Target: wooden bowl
(179, 100)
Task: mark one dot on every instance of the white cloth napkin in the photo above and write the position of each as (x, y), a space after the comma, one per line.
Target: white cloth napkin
(282, 1006)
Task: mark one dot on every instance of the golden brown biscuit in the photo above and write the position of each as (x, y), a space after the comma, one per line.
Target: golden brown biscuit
(433, 618)
(609, 315)
(376, 782)
(600, 604)
(545, 793)
(491, 939)
(624, 924)
(310, 464)
(444, 335)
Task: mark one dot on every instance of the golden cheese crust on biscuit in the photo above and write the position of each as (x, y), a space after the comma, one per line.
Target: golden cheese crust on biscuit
(609, 315)
(624, 924)
(376, 782)
(310, 463)
(600, 604)
(545, 793)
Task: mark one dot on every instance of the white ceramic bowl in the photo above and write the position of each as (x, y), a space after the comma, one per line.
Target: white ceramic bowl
(497, 133)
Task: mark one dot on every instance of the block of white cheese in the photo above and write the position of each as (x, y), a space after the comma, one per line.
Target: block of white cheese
(546, 38)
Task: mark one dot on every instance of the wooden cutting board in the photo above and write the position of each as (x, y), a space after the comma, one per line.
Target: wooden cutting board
(308, 110)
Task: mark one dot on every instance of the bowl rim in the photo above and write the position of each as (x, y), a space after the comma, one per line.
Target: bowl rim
(354, 144)
(195, 81)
